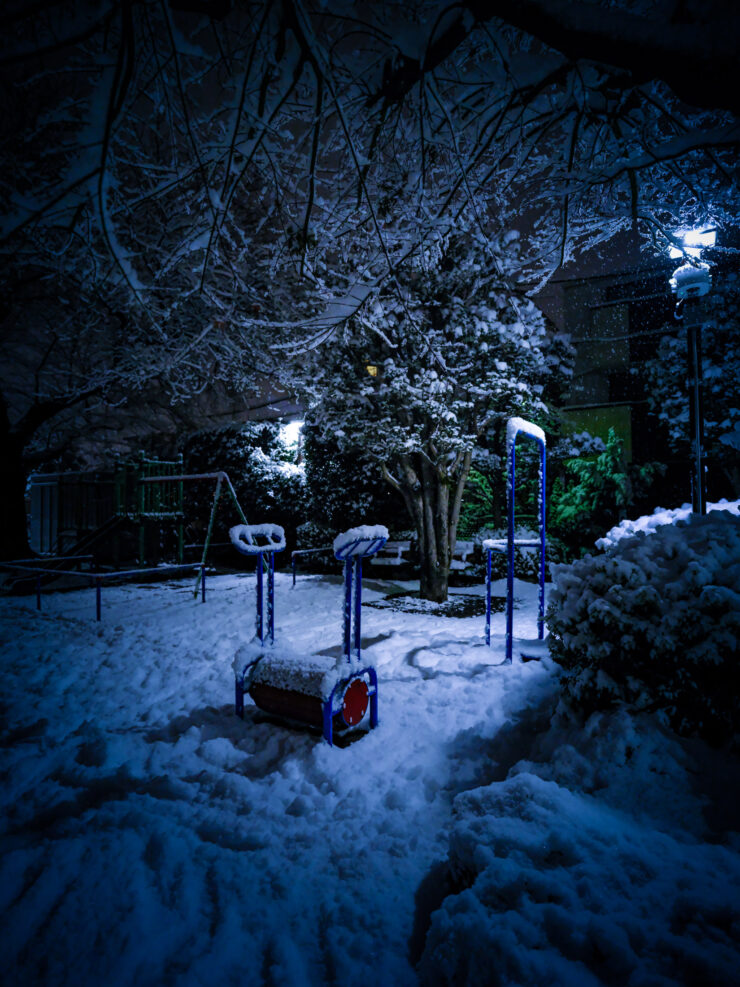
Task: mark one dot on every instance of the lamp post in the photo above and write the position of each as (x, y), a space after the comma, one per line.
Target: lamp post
(690, 283)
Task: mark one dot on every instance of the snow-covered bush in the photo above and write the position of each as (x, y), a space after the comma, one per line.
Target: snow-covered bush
(342, 490)
(654, 622)
(269, 488)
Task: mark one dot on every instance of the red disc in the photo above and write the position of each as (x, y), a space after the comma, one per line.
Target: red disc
(354, 702)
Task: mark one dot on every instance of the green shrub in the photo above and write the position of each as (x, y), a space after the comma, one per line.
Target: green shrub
(593, 495)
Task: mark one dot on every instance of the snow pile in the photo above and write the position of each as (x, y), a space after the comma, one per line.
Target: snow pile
(515, 425)
(558, 885)
(253, 539)
(691, 280)
(152, 837)
(312, 675)
(655, 622)
(358, 540)
(649, 522)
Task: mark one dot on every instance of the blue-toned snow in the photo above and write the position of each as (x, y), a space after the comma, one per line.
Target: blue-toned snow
(149, 837)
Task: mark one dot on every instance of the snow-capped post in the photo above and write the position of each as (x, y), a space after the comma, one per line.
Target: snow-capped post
(689, 283)
(259, 540)
(515, 427)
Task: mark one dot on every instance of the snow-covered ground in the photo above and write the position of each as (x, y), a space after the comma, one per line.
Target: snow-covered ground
(151, 837)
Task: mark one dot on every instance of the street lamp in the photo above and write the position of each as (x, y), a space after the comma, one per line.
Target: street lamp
(690, 282)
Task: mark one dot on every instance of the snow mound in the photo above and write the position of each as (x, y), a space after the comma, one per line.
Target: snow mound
(253, 539)
(515, 425)
(554, 887)
(364, 535)
(649, 523)
(313, 675)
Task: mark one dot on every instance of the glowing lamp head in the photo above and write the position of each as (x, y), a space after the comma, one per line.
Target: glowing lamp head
(693, 242)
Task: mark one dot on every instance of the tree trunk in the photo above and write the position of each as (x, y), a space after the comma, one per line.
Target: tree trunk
(433, 497)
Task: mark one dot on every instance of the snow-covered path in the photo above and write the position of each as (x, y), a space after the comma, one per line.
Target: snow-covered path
(151, 837)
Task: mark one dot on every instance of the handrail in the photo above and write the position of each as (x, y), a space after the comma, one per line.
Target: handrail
(98, 578)
(305, 551)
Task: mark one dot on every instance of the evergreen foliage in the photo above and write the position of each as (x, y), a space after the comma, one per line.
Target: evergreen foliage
(343, 490)
(666, 375)
(269, 488)
(593, 495)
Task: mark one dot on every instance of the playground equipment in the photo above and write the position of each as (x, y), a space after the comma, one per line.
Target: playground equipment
(73, 511)
(515, 427)
(331, 694)
(41, 572)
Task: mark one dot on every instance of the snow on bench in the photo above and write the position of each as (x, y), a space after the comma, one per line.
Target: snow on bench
(462, 549)
(392, 553)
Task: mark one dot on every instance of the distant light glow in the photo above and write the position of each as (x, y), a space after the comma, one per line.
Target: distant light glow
(694, 241)
(372, 369)
(289, 433)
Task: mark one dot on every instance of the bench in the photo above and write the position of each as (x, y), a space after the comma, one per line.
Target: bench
(392, 553)
(460, 555)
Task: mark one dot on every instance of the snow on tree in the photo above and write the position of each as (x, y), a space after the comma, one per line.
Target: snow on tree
(577, 120)
(214, 165)
(425, 371)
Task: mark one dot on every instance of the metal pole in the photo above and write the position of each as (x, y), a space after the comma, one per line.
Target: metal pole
(348, 609)
(203, 584)
(696, 418)
(38, 592)
(271, 597)
(543, 489)
(510, 555)
(260, 604)
(98, 597)
(209, 531)
(358, 608)
(488, 598)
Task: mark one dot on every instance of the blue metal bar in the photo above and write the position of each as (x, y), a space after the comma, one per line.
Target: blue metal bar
(348, 550)
(358, 607)
(98, 595)
(271, 597)
(373, 696)
(260, 602)
(543, 489)
(510, 558)
(305, 551)
(203, 584)
(488, 598)
(348, 609)
(510, 548)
